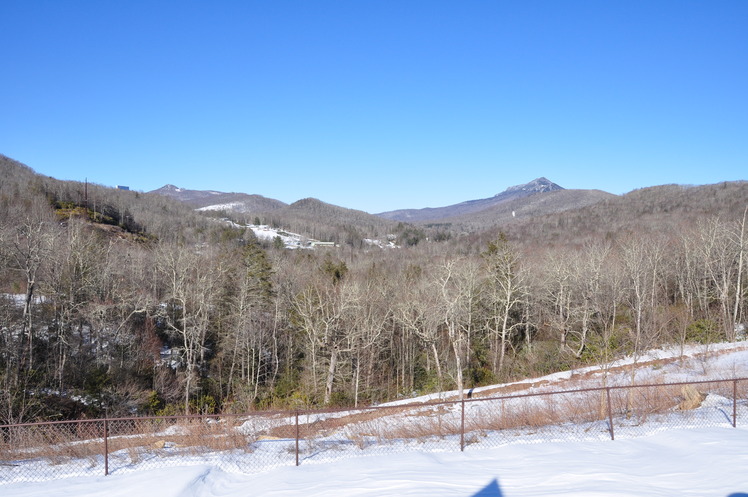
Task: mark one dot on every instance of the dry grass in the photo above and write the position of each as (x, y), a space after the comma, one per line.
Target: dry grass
(414, 426)
(61, 443)
(58, 443)
(193, 436)
(532, 412)
(150, 439)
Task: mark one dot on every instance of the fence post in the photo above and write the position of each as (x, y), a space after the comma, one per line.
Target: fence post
(735, 403)
(610, 415)
(297, 437)
(462, 427)
(106, 447)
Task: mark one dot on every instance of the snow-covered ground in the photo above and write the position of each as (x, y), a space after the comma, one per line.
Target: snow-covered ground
(695, 462)
(268, 233)
(230, 206)
(296, 241)
(666, 365)
(707, 458)
(290, 240)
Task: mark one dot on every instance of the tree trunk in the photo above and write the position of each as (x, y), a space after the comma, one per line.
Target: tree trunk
(331, 374)
(458, 367)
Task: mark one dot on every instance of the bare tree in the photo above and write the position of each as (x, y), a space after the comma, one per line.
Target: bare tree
(74, 266)
(248, 336)
(643, 264)
(27, 242)
(369, 320)
(191, 276)
(505, 291)
(719, 254)
(557, 287)
(457, 284)
(414, 313)
(740, 233)
(323, 309)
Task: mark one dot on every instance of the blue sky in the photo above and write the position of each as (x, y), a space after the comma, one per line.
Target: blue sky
(376, 105)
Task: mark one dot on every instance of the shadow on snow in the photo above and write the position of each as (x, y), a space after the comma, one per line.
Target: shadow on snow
(493, 490)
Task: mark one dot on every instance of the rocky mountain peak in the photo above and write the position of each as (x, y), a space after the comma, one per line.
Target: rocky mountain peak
(538, 185)
(167, 189)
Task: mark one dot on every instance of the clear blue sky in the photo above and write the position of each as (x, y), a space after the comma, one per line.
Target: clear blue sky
(376, 105)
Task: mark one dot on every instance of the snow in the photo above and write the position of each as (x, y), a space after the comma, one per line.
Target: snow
(290, 240)
(263, 232)
(666, 365)
(19, 299)
(390, 243)
(293, 240)
(695, 462)
(221, 207)
(705, 456)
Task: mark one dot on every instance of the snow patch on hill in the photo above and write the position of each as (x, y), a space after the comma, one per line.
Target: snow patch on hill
(293, 240)
(237, 206)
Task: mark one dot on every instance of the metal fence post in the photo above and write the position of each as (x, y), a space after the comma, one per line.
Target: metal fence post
(610, 415)
(106, 447)
(735, 403)
(462, 427)
(297, 437)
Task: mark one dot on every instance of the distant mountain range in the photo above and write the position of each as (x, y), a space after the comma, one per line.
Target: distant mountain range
(521, 198)
(536, 213)
(539, 211)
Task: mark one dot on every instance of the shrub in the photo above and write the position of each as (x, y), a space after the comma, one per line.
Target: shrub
(703, 331)
(205, 404)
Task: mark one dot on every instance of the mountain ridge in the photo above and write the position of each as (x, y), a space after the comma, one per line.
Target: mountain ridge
(536, 186)
(242, 203)
(519, 209)
(206, 200)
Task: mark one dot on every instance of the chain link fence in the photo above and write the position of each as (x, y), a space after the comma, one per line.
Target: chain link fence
(259, 441)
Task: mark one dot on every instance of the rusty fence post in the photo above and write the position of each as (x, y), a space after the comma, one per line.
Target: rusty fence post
(106, 447)
(610, 415)
(297, 437)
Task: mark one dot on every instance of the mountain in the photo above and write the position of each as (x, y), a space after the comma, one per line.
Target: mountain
(209, 200)
(122, 214)
(311, 217)
(313, 209)
(328, 222)
(661, 210)
(537, 212)
(519, 209)
(539, 185)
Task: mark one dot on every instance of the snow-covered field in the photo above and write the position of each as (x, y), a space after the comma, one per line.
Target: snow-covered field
(696, 462)
(708, 458)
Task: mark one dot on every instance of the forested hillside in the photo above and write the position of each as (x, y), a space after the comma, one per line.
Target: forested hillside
(656, 210)
(120, 302)
(312, 217)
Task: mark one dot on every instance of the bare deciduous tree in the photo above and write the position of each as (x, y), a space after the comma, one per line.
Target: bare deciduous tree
(191, 277)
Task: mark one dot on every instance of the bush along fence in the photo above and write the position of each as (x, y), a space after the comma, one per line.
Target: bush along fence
(261, 440)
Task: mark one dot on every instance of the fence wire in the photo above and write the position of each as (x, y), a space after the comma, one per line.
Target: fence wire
(259, 441)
